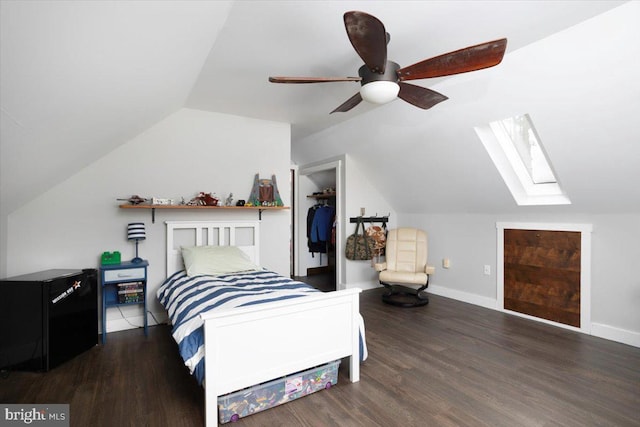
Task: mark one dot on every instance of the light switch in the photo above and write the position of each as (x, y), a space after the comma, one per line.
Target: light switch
(446, 263)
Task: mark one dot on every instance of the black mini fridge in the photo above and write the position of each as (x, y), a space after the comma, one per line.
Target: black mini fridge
(47, 318)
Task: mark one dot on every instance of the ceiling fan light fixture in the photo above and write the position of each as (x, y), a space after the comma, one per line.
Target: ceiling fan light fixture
(380, 92)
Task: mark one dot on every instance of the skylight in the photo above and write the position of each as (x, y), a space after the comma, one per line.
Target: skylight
(517, 152)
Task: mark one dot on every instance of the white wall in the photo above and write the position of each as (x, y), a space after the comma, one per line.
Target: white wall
(4, 220)
(360, 193)
(469, 241)
(70, 225)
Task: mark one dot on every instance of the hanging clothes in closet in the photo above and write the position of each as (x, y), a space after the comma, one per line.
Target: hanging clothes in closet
(320, 222)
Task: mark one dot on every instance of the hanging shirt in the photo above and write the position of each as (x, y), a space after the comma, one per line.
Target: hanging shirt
(322, 224)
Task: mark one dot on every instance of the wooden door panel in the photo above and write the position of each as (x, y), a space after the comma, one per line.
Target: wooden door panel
(545, 258)
(542, 274)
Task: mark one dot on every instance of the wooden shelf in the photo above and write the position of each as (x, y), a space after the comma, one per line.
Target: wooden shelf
(322, 196)
(189, 207)
(263, 208)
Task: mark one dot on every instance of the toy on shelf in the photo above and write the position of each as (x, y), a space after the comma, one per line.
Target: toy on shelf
(134, 200)
(264, 192)
(204, 199)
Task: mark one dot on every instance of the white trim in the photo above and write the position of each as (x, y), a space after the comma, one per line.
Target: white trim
(585, 268)
(462, 296)
(295, 222)
(550, 226)
(524, 195)
(336, 165)
(612, 333)
(597, 329)
(365, 285)
(120, 323)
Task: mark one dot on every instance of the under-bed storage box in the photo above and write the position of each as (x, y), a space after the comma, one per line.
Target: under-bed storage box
(273, 393)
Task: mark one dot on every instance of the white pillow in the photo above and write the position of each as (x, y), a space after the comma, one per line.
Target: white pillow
(215, 260)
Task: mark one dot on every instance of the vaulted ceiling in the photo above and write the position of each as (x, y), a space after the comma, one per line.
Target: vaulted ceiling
(78, 79)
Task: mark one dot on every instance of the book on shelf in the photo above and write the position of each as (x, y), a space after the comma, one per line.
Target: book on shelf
(130, 286)
(130, 292)
(127, 284)
(130, 298)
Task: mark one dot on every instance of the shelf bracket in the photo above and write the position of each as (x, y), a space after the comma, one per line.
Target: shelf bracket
(153, 215)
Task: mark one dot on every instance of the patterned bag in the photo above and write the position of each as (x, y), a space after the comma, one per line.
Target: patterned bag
(359, 247)
(379, 237)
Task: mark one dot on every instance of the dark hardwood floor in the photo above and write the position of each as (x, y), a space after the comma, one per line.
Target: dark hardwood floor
(325, 282)
(444, 364)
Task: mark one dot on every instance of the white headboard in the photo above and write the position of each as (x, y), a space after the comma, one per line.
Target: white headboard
(243, 234)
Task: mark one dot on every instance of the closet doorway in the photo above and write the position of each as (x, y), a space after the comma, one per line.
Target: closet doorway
(318, 225)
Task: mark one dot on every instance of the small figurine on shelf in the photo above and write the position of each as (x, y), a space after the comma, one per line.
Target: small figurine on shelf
(204, 199)
(134, 200)
(229, 200)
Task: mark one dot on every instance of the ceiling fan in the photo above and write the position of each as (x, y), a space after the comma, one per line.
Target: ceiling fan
(382, 80)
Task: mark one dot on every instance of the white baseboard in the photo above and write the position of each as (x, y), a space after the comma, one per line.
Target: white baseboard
(615, 334)
(133, 322)
(363, 285)
(597, 329)
(463, 296)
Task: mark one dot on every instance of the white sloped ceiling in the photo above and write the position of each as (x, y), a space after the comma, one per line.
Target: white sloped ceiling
(79, 78)
(580, 89)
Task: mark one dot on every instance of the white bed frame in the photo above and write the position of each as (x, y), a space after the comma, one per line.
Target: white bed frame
(248, 346)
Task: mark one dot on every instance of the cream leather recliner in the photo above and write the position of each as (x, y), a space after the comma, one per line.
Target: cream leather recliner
(405, 273)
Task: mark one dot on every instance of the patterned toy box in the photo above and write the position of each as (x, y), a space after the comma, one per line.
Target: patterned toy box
(255, 399)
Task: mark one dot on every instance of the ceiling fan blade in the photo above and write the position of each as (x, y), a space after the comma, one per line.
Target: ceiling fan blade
(419, 96)
(349, 104)
(471, 58)
(281, 79)
(369, 39)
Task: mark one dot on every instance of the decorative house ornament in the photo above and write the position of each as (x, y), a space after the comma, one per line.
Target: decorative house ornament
(136, 232)
(264, 192)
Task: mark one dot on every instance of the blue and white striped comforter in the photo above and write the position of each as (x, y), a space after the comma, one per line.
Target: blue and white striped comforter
(185, 298)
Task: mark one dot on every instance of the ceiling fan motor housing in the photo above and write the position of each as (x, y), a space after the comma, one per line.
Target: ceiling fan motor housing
(390, 74)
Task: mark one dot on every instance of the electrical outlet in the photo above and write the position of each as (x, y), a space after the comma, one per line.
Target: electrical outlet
(487, 270)
(446, 263)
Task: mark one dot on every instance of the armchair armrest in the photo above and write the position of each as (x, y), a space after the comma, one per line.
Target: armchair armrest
(380, 266)
(430, 269)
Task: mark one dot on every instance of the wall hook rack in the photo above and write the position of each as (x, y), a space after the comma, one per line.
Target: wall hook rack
(370, 219)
